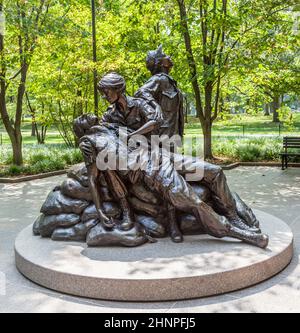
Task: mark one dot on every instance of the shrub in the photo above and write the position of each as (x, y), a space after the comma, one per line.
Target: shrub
(14, 170)
(72, 156)
(47, 166)
(286, 116)
(39, 159)
(248, 152)
(67, 158)
(36, 156)
(6, 156)
(77, 156)
(248, 149)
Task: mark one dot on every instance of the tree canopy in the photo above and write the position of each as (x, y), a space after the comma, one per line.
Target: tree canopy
(221, 49)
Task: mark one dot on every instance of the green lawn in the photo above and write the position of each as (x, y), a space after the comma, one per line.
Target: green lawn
(53, 137)
(245, 125)
(236, 125)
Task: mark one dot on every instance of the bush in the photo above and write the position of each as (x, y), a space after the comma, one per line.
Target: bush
(244, 149)
(286, 116)
(6, 156)
(38, 159)
(247, 152)
(248, 149)
(72, 156)
(47, 166)
(35, 157)
(224, 146)
(77, 156)
(15, 170)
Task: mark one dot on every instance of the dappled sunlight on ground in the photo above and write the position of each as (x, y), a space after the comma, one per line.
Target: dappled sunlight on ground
(269, 189)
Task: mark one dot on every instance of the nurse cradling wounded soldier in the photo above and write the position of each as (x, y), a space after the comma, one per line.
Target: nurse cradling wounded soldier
(142, 196)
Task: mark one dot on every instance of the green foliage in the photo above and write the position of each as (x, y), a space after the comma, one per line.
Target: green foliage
(258, 58)
(248, 152)
(6, 156)
(245, 149)
(14, 170)
(286, 116)
(249, 149)
(39, 159)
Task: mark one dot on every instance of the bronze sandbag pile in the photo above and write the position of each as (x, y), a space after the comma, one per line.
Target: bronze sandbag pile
(69, 213)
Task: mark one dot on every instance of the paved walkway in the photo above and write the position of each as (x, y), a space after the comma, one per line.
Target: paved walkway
(269, 189)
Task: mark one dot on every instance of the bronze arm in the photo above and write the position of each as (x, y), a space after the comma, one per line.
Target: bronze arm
(93, 173)
(146, 128)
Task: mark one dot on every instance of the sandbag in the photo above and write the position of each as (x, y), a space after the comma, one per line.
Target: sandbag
(75, 233)
(48, 223)
(140, 191)
(98, 236)
(79, 173)
(76, 186)
(152, 225)
(189, 225)
(143, 207)
(57, 203)
(36, 225)
(110, 209)
(73, 189)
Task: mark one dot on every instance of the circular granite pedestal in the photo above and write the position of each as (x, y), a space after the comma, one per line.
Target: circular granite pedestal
(200, 266)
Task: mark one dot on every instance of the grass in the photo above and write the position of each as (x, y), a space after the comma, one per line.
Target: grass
(232, 126)
(53, 137)
(245, 125)
(258, 141)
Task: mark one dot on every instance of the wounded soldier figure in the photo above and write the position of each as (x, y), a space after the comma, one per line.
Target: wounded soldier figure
(164, 180)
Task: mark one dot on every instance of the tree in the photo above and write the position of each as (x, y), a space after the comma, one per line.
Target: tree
(39, 132)
(272, 69)
(60, 83)
(223, 51)
(216, 37)
(25, 23)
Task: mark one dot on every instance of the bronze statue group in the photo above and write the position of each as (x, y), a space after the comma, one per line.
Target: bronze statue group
(149, 198)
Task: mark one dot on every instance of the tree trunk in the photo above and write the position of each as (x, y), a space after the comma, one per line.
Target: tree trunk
(96, 102)
(208, 121)
(207, 134)
(186, 109)
(17, 145)
(33, 128)
(16, 142)
(276, 105)
(190, 59)
(267, 109)
(15, 136)
(43, 134)
(79, 106)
